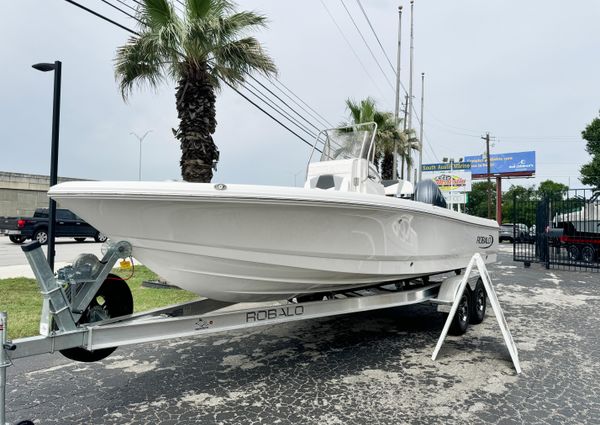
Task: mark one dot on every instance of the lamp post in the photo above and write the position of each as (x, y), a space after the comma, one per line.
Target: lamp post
(56, 67)
(141, 139)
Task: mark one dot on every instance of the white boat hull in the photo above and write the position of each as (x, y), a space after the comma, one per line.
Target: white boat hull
(257, 243)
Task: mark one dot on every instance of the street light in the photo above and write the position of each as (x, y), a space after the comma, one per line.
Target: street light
(56, 67)
(141, 139)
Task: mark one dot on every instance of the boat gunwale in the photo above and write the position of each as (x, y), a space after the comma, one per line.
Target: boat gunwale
(267, 197)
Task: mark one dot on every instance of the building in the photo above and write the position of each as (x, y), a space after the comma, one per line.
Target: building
(21, 194)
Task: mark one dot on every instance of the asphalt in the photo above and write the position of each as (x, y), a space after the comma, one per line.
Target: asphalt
(372, 367)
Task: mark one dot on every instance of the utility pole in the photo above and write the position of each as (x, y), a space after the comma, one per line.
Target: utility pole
(397, 110)
(489, 188)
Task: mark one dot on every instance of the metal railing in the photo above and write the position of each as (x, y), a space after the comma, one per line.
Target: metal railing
(564, 230)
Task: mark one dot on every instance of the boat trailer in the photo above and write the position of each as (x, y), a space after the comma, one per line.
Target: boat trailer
(81, 331)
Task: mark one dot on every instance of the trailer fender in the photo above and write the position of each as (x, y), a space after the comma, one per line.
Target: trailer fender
(450, 287)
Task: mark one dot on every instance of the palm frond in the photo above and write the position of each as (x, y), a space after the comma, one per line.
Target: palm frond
(138, 62)
(203, 9)
(242, 57)
(233, 25)
(157, 13)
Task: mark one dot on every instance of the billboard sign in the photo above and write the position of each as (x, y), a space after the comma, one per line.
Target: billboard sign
(449, 177)
(516, 164)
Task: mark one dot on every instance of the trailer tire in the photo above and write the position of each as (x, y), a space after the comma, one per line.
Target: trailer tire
(460, 321)
(113, 299)
(588, 254)
(573, 252)
(478, 303)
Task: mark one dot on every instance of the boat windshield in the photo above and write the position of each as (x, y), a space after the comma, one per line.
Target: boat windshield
(346, 142)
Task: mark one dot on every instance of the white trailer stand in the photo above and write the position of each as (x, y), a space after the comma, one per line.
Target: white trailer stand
(67, 299)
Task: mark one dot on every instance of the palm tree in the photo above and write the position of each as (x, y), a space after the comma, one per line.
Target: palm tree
(203, 47)
(388, 138)
(366, 111)
(407, 143)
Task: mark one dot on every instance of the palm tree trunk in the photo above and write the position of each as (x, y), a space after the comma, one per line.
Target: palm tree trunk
(195, 98)
(387, 166)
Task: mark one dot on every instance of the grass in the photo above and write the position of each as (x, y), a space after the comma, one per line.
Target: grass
(20, 297)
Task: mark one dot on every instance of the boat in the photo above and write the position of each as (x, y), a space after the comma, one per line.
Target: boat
(346, 228)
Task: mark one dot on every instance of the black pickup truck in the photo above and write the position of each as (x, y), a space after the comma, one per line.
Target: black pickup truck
(19, 229)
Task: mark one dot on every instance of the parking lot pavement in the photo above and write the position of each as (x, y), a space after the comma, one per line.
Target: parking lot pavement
(14, 264)
(363, 368)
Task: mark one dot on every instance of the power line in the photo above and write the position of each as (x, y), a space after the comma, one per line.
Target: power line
(284, 102)
(237, 91)
(74, 3)
(271, 104)
(356, 55)
(121, 10)
(375, 34)
(271, 116)
(367, 44)
(127, 5)
(318, 117)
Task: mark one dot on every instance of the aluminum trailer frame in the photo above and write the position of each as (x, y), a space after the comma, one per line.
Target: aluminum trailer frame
(66, 295)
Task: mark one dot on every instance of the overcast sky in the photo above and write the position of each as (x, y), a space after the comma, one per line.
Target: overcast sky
(526, 71)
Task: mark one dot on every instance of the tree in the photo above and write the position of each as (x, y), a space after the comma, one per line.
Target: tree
(408, 142)
(590, 172)
(203, 47)
(552, 190)
(525, 208)
(388, 135)
(477, 204)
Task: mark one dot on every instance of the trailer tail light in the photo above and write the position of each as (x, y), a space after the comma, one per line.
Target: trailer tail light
(20, 223)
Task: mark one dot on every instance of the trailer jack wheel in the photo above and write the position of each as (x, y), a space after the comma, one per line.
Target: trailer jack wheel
(113, 299)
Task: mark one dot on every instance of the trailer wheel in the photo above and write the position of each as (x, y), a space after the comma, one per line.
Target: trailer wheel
(478, 304)
(588, 254)
(573, 252)
(460, 322)
(113, 299)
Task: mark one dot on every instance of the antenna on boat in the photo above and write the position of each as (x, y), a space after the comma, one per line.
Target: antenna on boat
(397, 110)
(410, 83)
(421, 129)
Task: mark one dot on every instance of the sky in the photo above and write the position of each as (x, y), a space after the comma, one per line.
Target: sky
(526, 71)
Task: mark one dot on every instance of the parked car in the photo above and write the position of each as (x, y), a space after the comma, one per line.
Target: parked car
(514, 232)
(19, 229)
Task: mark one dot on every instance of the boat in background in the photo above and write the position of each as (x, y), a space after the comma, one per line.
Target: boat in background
(345, 228)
